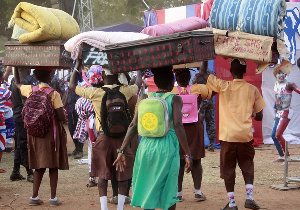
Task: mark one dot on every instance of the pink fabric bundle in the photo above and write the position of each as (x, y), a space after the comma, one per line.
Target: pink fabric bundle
(187, 24)
(99, 39)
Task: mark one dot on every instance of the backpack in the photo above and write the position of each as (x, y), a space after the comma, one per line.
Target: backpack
(190, 105)
(153, 116)
(115, 115)
(38, 112)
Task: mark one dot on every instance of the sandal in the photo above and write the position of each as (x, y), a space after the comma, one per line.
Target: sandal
(92, 184)
(2, 170)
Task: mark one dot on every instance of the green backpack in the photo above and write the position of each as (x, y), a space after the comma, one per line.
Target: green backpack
(153, 116)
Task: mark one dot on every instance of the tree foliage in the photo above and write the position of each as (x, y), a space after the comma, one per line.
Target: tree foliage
(114, 12)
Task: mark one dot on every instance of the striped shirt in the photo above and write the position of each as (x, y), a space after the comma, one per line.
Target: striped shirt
(85, 109)
(5, 94)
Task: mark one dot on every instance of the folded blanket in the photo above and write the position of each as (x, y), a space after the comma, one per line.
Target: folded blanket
(261, 17)
(99, 39)
(44, 23)
(187, 24)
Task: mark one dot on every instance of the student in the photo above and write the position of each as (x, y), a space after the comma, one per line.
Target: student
(283, 110)
(238, 99)
(194, 132)
(48, 151)
(21, 150)
(156, 165)
(105, 147)
(85, 110)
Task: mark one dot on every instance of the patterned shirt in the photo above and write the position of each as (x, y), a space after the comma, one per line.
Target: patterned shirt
(4, 96)
(85, 109)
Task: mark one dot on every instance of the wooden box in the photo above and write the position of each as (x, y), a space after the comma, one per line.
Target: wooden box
(48, 53)
(179, 48)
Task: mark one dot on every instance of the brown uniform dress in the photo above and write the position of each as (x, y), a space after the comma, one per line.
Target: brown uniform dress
(195, 137)
(41, 151)
(104, 150)
(45, 152)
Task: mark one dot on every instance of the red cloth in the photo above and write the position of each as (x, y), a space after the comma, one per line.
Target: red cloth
(206, 9)
(187, 24)
(160, 16)
(151, 85)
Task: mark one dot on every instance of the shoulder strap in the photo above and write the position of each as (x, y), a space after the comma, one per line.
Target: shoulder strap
(48, 90)
(179, 90)
(35, 88)
(164, 96)
(150, 94)
(106, 89)
(117, 88)
(188, 89)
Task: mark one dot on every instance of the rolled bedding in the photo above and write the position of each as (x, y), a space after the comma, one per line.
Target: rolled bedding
(44, 23)
(260, 17)
(187, 24)
(99, 39)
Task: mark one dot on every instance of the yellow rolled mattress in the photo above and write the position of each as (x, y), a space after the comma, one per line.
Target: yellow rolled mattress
(44, 23)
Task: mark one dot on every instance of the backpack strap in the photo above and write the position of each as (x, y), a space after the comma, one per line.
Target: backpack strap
(150, 94)
(35, 88)
(47, 90)
(164, 96)
(188, 90)
(106, 89)
(179, 90)
(115, 89)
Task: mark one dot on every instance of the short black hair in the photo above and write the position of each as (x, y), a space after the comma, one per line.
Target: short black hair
(237, 69)
(163, 77)
(298, 63)
(42, 75)
(183, 76)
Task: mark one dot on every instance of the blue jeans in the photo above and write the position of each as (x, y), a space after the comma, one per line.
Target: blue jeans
(276, 142)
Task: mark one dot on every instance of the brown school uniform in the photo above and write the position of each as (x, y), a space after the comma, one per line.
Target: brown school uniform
(195, 131)
(104, 151)
(237, 99)
(41, 151)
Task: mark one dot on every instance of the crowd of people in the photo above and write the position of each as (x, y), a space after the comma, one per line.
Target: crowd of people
(105, 110)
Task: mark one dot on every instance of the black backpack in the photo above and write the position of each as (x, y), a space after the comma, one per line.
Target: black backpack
(115, 115)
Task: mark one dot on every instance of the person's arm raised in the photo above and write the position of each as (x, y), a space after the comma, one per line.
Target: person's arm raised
(74, 77)
(138, 80)
(17, 77)
(203, 70)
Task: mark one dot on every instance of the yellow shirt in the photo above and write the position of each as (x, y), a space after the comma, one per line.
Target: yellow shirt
(237, 99)
(96, 95)
(197, 89)
(26, 90)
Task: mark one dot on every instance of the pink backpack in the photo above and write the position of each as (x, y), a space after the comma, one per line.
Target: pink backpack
(190, 105)
(38, 113)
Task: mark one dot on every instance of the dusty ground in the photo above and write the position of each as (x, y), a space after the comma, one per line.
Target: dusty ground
(74, 194)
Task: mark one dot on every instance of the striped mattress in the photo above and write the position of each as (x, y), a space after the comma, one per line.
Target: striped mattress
(261, 17)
